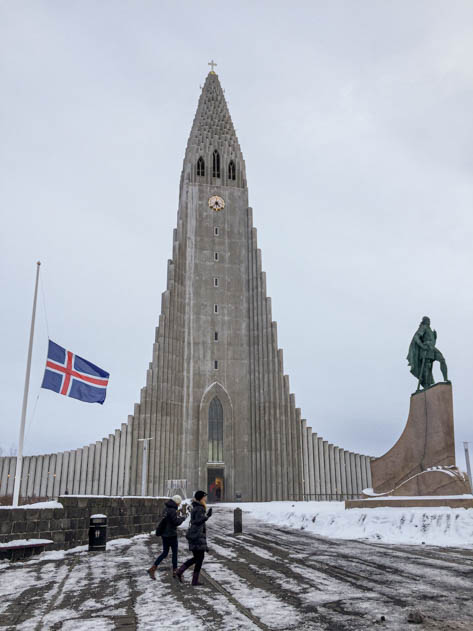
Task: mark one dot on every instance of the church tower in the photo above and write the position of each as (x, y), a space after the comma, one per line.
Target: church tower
(216, 409)
(217, 405)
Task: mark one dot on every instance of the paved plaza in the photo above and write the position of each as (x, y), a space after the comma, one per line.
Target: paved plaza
(267, 578)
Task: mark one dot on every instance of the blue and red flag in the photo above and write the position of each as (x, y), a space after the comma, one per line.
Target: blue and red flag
(73, 376)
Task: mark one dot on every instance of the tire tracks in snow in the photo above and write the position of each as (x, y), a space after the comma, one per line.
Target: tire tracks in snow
(246, 612)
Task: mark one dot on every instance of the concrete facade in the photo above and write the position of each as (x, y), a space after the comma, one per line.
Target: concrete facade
(215, 339)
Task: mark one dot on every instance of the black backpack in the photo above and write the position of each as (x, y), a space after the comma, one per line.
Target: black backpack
(161, 526)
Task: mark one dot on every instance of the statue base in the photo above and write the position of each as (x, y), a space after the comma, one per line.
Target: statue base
(421, 465)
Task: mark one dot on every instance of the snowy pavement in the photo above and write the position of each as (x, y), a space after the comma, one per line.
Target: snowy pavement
(439, 526)
(270, 577)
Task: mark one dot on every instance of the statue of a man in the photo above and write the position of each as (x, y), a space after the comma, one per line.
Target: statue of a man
(422, 354)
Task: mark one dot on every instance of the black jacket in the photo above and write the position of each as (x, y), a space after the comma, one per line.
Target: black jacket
(172, 521)
(197, 533)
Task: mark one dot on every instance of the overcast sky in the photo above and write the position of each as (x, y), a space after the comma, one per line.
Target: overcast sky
(355, 121)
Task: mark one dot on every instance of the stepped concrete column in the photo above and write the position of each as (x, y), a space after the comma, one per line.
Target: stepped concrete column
(328, 482)
(338, 485)
(348, 474)
(305, 458)
(354, 481)
(343, 473)
(310, 450)
(315, 446)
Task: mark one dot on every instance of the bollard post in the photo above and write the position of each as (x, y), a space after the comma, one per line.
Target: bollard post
(237, 521)
(97, 533)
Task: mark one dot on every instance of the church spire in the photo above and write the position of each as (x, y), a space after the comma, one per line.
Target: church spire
(213, 154)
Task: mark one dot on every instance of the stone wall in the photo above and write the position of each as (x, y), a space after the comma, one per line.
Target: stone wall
(69, 526)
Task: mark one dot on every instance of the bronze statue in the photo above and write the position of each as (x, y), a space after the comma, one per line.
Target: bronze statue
(422, 354)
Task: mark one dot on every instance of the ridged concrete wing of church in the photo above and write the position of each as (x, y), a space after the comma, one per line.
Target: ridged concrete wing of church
(217, 405)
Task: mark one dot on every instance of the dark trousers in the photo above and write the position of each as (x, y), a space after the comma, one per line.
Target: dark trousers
(168, 542)
(198, 559)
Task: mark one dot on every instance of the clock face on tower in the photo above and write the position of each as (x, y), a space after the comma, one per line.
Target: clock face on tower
(216, 203)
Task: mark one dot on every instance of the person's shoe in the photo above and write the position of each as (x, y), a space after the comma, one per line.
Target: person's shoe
(174, 572)
(180, 572)
(195, 579)
(152, 572)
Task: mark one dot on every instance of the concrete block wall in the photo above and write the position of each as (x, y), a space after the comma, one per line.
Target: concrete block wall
(100, 468)
(68, 527)
(330, 472)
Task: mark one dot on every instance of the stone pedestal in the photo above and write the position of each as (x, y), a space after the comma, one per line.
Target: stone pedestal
(422, 462)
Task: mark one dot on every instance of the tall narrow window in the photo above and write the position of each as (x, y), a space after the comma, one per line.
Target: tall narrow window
(200, 166)
(231, 170)
(216, 231)
(216, 164)
(215, 308)
(216, 364)
(216, 336)
(216, 256)
(215, 282)
(215, 431)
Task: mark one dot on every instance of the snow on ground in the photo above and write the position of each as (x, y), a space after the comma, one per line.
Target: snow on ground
(94, 624)
(271, 610)
(159, 604)
(430, 526)
(25, 542)
(123, 497)
(51, 504)
(273, 577)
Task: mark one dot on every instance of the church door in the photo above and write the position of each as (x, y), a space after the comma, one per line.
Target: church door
(216, 491)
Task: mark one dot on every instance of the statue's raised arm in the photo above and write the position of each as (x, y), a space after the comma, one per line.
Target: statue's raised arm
(422, 354)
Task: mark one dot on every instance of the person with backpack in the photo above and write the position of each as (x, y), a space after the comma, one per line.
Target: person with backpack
(197, 537)
(167, 529)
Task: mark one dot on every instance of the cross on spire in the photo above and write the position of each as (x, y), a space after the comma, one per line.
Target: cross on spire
(212, 64)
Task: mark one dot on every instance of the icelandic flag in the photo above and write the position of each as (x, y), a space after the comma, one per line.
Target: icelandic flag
(74, 376)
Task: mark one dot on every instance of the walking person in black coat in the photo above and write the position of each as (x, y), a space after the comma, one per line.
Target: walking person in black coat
(173, 520)
(197, 537)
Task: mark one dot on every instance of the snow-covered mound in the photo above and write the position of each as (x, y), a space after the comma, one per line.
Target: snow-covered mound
(430, 526)
(50, 504)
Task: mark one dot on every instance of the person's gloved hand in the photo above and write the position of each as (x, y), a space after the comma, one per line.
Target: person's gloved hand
(209, 512)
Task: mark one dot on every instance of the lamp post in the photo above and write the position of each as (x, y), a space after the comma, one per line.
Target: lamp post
(467, 458)
(144, 469)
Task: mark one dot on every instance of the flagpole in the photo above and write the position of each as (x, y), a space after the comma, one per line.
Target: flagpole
(19, 457)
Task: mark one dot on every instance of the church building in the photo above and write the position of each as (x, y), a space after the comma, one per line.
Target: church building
(216, 407)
